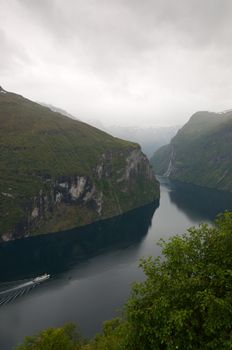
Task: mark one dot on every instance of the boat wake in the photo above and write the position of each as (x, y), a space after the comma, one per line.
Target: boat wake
(9, 295)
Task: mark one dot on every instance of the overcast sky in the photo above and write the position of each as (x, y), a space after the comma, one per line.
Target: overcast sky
(126, 62)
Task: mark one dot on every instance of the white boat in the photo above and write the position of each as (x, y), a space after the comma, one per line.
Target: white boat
(41, 278)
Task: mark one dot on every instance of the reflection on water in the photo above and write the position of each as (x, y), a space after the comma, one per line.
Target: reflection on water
(58, 252)
(93, 267)
(198, 203)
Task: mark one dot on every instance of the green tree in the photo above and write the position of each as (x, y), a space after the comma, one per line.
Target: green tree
(63, 338)
(111, 338)
(186, 299)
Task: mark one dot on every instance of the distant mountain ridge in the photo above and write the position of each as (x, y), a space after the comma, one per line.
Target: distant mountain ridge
(58, 173)
(150, 138)
(200, 153)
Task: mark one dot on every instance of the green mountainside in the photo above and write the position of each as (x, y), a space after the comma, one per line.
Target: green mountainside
(200, 153)
(57, 173)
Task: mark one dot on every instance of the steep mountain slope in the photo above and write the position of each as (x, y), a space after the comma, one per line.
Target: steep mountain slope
(57, 173)
(57, 110)
(200, 153)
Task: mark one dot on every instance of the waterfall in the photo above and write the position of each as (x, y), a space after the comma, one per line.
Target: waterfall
(170, 165)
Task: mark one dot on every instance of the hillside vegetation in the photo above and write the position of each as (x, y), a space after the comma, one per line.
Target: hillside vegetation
(184, 302)
(57, 173)
(200, 153)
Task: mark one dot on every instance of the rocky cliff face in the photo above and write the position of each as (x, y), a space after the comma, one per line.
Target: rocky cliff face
(67, 175)
(70, 201)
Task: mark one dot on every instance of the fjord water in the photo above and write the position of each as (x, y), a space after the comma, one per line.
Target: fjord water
(92, 268)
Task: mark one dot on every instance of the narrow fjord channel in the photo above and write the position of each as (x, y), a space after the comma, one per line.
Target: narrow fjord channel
(92, 268)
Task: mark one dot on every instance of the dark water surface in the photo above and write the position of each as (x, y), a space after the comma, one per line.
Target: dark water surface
(92, 268)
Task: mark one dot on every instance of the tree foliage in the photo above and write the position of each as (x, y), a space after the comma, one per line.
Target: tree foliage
(63, 338)
(186, 299)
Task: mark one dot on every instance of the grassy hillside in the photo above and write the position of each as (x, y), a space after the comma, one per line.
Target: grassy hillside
(200, 153)
(41, 149)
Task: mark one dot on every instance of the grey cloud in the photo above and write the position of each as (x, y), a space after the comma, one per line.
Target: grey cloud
(201, 21)
(12, 55)
(135, 54)
(110, 35)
